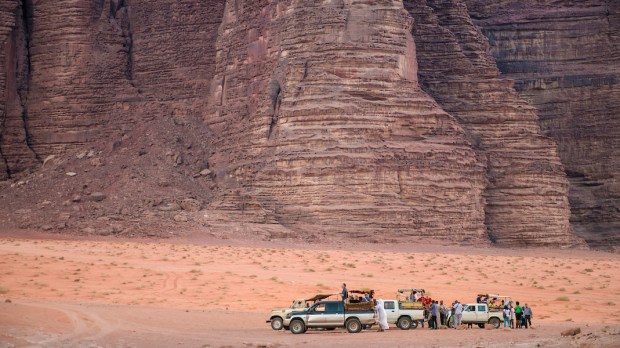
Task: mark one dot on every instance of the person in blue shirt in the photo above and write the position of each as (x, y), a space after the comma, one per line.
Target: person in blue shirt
(345, 292)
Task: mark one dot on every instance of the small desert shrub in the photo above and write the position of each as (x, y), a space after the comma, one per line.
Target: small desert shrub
(577, 292)
(563, 298)
(588, 270)
(4, 290)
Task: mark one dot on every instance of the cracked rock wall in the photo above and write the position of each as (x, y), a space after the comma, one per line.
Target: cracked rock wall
(320, 123)
(563, 56)
(527, 191)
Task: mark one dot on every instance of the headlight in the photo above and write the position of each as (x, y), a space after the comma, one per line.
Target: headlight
(288, 316)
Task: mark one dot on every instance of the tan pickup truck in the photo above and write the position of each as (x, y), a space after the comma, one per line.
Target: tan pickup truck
(277, 316)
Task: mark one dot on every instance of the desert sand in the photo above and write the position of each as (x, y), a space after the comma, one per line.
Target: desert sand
(196, 292)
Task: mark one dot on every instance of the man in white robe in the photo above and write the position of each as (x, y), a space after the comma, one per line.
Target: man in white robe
(382, 316)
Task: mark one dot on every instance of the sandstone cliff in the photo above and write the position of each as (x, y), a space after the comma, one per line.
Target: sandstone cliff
(563, 56)
(375, 119)
(319, 120)
(527, 191)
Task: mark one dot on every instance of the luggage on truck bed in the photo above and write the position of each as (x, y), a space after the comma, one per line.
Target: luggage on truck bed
(360, 306)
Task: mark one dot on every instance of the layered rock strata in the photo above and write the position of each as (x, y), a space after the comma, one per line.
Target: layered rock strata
(320, 124)
(527, 191)
(564, 59)
(15, 154)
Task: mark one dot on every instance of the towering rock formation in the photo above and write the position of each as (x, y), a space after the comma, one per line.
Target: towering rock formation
(74, 72)
(368, 118)
(564, 58)
(527, 191)
(320, 123)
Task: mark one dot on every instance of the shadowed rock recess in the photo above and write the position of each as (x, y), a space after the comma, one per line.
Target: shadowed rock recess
(370, 119)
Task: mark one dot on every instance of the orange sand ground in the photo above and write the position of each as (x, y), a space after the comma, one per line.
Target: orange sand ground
(217, 293)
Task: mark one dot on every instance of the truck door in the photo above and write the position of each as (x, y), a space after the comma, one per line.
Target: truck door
(482, 315)
(391, 311)
(316, 316)
(469, 314)
(334, 314)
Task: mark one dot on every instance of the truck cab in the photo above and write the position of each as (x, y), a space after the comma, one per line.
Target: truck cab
(404, 318)
(330, 315)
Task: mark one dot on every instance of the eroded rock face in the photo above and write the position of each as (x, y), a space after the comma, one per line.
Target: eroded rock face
(367, 118)
(320, 123)
(527, 189)
(564, 59)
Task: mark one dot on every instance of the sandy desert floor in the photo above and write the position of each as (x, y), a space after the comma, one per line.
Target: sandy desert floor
(216, 293)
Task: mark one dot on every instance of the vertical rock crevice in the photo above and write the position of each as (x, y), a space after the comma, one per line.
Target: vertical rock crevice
(24, 87)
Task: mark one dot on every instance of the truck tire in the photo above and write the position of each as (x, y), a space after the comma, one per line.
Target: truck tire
(297, 326)
(276, 323)
(495, 322)
(353, 325)
(404, 323)
(481, 326)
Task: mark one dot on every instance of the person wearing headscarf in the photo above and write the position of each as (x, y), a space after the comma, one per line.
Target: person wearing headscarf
(381, 315)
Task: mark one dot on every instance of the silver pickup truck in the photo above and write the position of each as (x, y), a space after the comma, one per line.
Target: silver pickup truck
(330, 315)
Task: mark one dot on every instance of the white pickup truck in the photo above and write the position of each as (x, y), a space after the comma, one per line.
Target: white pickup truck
(404, 319)
(478, 313)
(331, 315)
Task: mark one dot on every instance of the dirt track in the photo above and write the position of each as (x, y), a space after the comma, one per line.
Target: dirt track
(77, 293)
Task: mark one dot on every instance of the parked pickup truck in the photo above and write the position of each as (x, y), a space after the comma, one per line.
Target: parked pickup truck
(330, 315)
(276, 318)
(478, 313)
(404, 318)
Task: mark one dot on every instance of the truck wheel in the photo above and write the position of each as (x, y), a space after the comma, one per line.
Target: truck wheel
(353, 326)
(276, 323)
(404, 323)
(495, 322)
(297, 326)
(481, 326)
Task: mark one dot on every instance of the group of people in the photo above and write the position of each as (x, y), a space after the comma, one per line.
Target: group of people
(365, 297)
(517, 317)
(437, 313)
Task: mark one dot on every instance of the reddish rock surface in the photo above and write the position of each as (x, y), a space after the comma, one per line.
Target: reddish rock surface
(320, 124)
(563, 56)
(527, 189)
(368, 119)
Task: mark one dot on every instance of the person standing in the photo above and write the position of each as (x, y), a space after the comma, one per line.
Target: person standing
(443, 313)
(527, 313)
(506, 316)
(437, 315)
(458, 314)
(432, 321)
(512, 316)
(381, 315)
(518, 314)
(345, 292)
